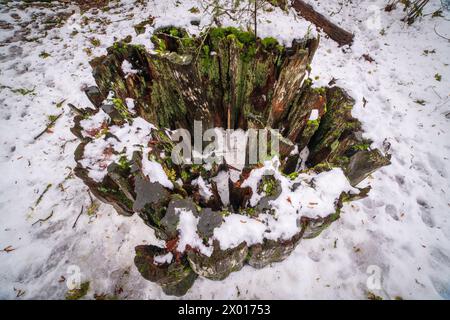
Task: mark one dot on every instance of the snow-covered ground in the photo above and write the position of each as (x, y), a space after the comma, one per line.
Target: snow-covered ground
(401, 232)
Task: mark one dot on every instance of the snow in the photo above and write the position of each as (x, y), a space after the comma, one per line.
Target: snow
(130, 104)
(155, 172)
(402, 228)
(204, 189)
(127, 68)
(162, 259)
(94, 123)
(98, 154)
(187, 227)
(242, 228)
(314, 115)
(315, 196)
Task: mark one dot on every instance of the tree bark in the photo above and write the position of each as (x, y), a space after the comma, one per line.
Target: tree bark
(341, 36)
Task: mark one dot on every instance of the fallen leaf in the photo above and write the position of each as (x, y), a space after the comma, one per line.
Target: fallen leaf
(368, 58)
(8, 249)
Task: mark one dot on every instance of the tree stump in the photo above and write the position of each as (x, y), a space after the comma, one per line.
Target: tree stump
(225, 78)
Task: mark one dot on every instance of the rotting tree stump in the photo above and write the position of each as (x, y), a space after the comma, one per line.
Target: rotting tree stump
(227, 79)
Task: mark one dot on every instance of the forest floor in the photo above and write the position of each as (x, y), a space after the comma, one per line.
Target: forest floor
(399, 76)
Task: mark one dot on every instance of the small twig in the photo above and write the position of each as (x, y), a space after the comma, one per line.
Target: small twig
(76, 110)
(201, 43)
(232, 168)
(48, 126)
(42, 195)
(339, 11)
(256, 18)
(43, 220)
(435, 31)
(75, 223)
(66, 142)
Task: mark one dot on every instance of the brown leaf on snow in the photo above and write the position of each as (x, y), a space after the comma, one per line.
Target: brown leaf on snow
(19, 292)
(368, 58)
(8, 249)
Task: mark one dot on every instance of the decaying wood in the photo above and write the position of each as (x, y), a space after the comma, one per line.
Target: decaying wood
(341, 36)
(235, 81)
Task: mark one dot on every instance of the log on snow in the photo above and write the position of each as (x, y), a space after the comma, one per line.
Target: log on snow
(341, 36)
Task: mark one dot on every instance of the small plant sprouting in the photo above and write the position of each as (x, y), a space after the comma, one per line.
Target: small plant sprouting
(95, 42)
(194, 10)
(44, 55)
(123, 162)
(420, 101)
(52, 118)
(76, 294)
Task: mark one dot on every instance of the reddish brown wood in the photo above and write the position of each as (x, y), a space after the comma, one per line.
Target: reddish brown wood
(341, 36)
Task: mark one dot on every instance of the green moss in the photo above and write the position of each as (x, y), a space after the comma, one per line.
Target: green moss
(269, 43)
(194, 10)
(44, 55)
(225, 213)
(341, 161)
(261, 71)
(23, 91)
(280, 48)
(217, 33)
(120, 106)
(52, 118)
(313, 123)
(123, 163)
(334, 145)
(319, 90)
(120, 196)
(251, 211)
(373, 296)
(361, 146)
(101, 133)
(268, 185)
(188, 42)
(174, 32)
(206, 50)
(185, 176)
(293, 175)
(249, 53)
(76, 294)
(243, 37)
(95, 42)
(104, 189)
(160, 45)
(171, 174)
(120, 46)
(308, 67)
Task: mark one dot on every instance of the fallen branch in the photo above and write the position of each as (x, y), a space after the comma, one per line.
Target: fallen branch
(440, 35)
(42, 195)
(43, 220)
(75, 223)
(51, 123)
(341, 36)
(415, 10)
